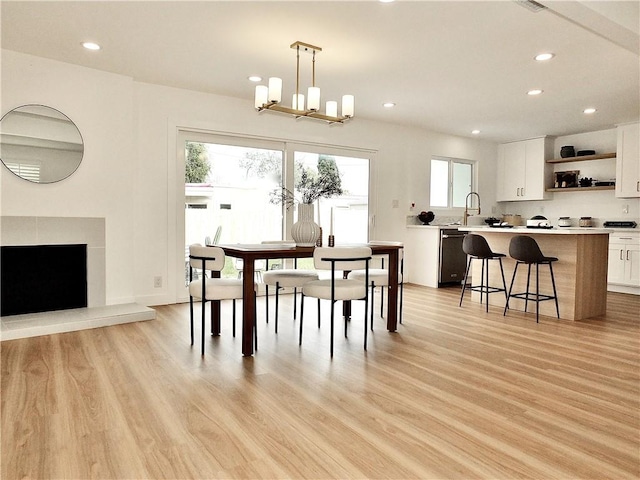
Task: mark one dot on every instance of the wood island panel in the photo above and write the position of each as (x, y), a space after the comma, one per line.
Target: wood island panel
(580, 273)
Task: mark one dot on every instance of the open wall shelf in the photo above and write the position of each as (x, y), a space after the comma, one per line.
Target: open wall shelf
(583, 158)
(581, 189)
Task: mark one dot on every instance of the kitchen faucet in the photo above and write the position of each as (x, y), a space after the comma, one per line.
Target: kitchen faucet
(466, 206)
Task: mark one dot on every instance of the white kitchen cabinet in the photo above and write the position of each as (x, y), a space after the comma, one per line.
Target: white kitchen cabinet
(523, 173)
(624, 262)
(628, 161)
(421, 255)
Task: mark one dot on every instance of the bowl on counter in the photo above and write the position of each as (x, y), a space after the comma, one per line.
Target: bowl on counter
(426, 217)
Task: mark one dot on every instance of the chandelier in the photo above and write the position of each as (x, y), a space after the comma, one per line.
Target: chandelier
(269, 97)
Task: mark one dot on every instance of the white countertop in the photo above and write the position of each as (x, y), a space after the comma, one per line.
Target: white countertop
(438, 227)
(545, 231)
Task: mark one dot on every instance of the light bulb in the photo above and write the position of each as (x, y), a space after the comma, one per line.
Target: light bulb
(275, 90)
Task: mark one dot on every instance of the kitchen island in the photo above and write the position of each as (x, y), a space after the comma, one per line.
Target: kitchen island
(580, 272)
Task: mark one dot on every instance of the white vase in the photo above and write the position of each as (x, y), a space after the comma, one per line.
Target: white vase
(305, 231)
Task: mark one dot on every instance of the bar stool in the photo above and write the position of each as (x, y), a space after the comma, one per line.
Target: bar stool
(525, 250)
(476, 247)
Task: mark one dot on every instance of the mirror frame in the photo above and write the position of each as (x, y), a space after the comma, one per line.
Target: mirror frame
(40, 144)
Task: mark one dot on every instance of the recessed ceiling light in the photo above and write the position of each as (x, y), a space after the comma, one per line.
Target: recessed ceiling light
(388, 105)
(544, 56)
(255, 78)
(475, 132)
(386, 1)
(589, 111)
(536, 91)
(91, 46)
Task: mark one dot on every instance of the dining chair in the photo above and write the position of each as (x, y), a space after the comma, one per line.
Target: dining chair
(207, 289)
(379, 277)
(285, 278)
(337, 260)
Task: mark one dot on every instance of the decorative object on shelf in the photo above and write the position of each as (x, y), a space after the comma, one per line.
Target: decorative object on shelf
(426, 217)
(611, 183)
(564, 222)
(491, 221)
(319, 240)
(567, 151)
(269, 97)
(584, 153)
(332, 241)
(566, 179)
(585, 222)
(586, 182)
(305, 231)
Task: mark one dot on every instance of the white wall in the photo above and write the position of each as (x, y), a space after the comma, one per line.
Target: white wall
(129, 175)
(100, 104)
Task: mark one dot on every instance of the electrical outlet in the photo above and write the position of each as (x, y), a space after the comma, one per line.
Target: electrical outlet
(157, 282)
(625, 209)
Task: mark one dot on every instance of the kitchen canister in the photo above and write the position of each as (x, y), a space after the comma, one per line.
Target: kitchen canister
(512, 219)
(564, 222)
(585, 222)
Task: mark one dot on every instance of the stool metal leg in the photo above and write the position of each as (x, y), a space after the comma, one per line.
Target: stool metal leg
(526, 298)
(513, 277)
(464, 281)
(537, 293)
(504, 284)
(555, 295)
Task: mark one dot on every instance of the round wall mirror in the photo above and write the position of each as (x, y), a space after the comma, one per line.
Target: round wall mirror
(40, 144)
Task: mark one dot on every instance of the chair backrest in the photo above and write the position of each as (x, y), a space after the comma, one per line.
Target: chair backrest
(212, 256)
(525, 249)
(344, 253)
(476, 246)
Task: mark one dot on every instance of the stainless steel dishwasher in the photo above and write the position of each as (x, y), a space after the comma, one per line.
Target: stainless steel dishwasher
(453, 260)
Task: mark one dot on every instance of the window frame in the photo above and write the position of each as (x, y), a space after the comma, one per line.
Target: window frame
(451, 162)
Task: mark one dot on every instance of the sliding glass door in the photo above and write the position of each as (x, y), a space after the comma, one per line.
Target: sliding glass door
(230, 185)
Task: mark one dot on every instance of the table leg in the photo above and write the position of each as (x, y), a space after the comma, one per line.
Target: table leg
(248, 306)
(392, 297)
(215, 311)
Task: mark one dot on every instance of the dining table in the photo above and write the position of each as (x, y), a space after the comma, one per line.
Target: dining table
(249, 253)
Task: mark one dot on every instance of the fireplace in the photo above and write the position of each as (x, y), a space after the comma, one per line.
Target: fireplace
(42, 278)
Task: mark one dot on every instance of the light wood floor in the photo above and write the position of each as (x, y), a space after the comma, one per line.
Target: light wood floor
(454, 394)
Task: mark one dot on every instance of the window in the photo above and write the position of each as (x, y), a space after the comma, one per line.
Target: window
(451, 180)
(229, 182)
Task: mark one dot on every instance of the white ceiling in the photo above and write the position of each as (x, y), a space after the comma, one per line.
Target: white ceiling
(449, 66)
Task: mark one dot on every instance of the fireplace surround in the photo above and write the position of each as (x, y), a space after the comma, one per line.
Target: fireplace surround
(20, 231)
(17, 231)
